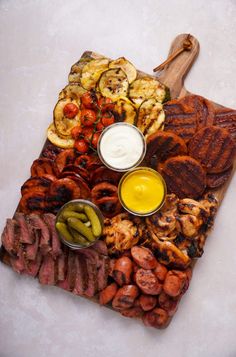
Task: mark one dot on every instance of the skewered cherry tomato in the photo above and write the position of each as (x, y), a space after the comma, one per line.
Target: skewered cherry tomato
(89, 100)
(76, 132)
(100, 126)
(108, 119)
(88, 117)
(105, 104)
(95, 139)
(70, 110)
(81, 146)
(87, 133)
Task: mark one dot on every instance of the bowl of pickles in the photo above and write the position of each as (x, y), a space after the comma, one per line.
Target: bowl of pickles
(79, 223)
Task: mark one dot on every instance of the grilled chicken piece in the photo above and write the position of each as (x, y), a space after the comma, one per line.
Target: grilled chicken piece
(188, 225)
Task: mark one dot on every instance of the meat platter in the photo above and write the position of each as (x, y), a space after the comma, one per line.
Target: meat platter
(141, 264)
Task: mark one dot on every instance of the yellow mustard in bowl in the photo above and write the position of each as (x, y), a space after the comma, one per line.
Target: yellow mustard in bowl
(142, 191)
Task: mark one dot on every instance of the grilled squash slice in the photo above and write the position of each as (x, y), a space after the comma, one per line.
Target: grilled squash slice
(151, 117)
(62, 124)
(76, 70)
(114, 84)
(146, 88)
(55, 139)
(92, 71)
(72, 91)
(125, 111)
(126, 66)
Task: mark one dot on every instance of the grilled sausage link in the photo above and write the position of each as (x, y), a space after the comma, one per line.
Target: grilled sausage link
(123, 270)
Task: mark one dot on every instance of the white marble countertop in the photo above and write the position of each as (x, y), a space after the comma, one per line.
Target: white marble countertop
(39, 40)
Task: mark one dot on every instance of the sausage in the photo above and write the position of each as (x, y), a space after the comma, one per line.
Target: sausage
(125, 297)
(132, 312)
(157, 318)
(168, 303)
(174, 282)
(143, 257)
(160, 271)
(188, 273)
(147, 302)
(123, 270)
(107, 294)
(148, 282)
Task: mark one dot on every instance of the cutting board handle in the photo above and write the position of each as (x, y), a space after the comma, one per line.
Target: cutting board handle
(174, 73)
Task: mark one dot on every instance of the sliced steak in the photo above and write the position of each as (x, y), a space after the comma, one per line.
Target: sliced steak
(47, 271)
(92, 278)
(10, 236)
(50, 219)
(18, 263)
(34, 265)
(25, 234)
(81, 275)
(71, 272)
(45, 241)
(31, 250)
(101, 247)
(102, 275)
(61, 267)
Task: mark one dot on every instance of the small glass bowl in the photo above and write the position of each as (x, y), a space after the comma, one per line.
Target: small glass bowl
(136, 213)
(125, 168)
(75, 202)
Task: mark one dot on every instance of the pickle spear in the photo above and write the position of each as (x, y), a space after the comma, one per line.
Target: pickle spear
(81, 228)
(62, 229)
(93, 218)
(78, 238)
(69, 213)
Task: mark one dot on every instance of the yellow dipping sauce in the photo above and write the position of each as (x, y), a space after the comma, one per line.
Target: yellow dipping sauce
(142, 191)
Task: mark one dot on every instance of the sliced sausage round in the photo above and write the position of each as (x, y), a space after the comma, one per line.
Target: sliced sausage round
(174, 282)
(160, 271)
(125, 297)
(107, 294)
(123, 270)
(143, 257)
(148, 282)
(157, 318)
(147, 302)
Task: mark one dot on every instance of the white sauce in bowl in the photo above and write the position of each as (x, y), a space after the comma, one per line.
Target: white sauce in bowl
(121, 146)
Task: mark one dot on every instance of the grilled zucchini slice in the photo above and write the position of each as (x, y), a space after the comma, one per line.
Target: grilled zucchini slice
(72, 91)
(125, 111)
(76, 70)
(92, 71)
(126, 66)
(114, 84)
(146, 88)
(62, 124)
(55, 139)
(151, 117)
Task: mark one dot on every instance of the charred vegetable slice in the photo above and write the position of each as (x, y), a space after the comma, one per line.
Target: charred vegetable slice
(55, 139)
(76, 70)
(114, 84)
(72, 91)
(92, 71)
(151, 117)
(64, 123)
(146, 88)
(126, 66)
(125, 111)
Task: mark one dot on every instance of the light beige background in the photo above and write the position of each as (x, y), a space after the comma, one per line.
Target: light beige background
(39, 40)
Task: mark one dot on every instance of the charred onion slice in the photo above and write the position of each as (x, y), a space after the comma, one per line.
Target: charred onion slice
(76, 69)
(62, 124)
(72, 91)
(92, 71)
(43, 166)
(84, 189)
(104, 174)
(114, 84)
(151, 117)
(77, 170)
(62, 191)
(55, 138)
(125, 111)
(126, 66)
(65, 158)
(33, 201)
(146, 88)
(103, 189)
(41, 183)
(109, 206)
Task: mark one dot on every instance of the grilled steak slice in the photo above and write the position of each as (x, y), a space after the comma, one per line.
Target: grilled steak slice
(102, 275)
(61, 267)
(71, 270)
(186, 115)
(18, 263)
(34, 265)
(214, 148)
(47, 271)
(45, 241)
(217, 180)
(25, 234)
(164, 144)
(10, 236)
(101, 247)
(81, 277)
(184, 176)
(56, 243)
(226, 119)
(92, 278)
(31, 250)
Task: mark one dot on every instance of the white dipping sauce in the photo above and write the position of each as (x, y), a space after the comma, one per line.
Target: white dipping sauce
(121, 146)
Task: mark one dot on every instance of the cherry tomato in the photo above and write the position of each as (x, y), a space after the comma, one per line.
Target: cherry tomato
(70, 110)
(76, 132)
(87, 133)
(105, 104)
(88, 117)
(100, 126)
(95, 139)
(108, 119)
(89, 100)
(81, 146)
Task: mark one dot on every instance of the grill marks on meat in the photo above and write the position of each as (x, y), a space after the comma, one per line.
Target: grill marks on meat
(83, 272)
(226, 119)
